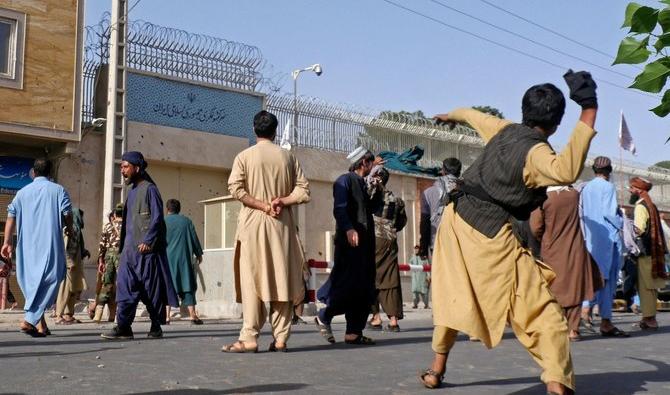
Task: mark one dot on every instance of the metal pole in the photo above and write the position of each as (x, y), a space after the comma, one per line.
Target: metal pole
(116, 106)
(296, 73)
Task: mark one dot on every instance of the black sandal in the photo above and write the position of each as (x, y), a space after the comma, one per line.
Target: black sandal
(431, 372)
(274, 348)
(361, 341)
(392, 328)
(325, 330)
(33, 332)
(614, 332)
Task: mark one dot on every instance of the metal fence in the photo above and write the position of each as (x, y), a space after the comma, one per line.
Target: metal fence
(175, 53)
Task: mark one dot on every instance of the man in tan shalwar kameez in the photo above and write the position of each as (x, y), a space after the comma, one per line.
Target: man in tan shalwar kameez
(269, 262)
(482, 276)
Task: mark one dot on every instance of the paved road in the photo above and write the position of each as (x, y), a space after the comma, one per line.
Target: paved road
(188, 361)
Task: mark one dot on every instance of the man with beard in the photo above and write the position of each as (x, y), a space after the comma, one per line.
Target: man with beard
(482, 276)
(143, 274)
(390, 218)
(350, 289)
(602, 224)
(651, 272)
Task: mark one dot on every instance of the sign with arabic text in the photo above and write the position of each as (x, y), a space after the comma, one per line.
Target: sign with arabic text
(14, 173)
(178, 104)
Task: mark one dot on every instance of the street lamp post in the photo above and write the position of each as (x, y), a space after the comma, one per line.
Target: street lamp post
(316, 68)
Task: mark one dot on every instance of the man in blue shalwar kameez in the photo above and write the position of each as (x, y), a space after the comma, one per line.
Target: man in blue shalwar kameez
(143, 274)
(38, 212)
(602, 225)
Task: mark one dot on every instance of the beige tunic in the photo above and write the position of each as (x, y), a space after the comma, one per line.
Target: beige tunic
(475, 278)
(268, 249)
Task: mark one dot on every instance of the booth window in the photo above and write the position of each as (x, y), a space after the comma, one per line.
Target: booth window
(12, 44)
(221, 224)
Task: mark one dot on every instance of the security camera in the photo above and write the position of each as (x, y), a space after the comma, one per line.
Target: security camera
(317, 69)
(98, 122)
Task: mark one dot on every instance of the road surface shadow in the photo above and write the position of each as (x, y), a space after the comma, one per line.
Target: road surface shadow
(610, 383)
(252, 389)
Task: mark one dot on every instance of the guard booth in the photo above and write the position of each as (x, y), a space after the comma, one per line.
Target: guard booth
(216, 276)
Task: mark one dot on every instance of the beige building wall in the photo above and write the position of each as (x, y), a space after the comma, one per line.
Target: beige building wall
(49, 100)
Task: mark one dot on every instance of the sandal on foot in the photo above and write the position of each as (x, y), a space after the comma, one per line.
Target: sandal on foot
(646, 327)
(614, 332)
(392, 328)
(274, 348)
(196, 321)
(431, 372)
(325, 330)
(32, 331)
(577, 338)
(361, 341)
(239, 347)
(374, 327)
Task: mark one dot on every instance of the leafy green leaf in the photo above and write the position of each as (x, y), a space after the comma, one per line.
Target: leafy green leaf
(663, 109)
(644, 20)
(630, 10)
(664, 19)
(652, 78)
(665, 1)
(662, 42)
(632, 51)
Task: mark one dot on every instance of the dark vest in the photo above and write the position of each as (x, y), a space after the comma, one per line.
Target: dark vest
(493, 187)
(140, 214)
(646, 238)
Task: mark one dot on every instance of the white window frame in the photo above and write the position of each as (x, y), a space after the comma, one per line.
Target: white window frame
(17, 43)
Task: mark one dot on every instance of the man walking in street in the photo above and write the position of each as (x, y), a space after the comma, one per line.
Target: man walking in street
(651, 271)
(108, 265)
(433, 201)
(557, 227)
(38, 212)
(482, 276)
(268, 181)
(74, 283)
(390, 218)
(420, 278)
(350, 288)
(144, 273)
(182, 246)
(602, 226)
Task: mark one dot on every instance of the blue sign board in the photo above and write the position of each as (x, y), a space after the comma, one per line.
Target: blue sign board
(14, 173)
(166, 102)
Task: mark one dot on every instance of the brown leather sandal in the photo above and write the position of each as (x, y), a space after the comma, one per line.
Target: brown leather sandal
(430, 372)
(238, 347)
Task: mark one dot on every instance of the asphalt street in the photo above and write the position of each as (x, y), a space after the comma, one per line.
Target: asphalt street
(188, 360)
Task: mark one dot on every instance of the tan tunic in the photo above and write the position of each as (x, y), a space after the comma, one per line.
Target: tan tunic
(268, 250)
(474, 277)
(557, 225)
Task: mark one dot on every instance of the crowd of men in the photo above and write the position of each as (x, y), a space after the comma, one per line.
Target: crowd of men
(510, 241)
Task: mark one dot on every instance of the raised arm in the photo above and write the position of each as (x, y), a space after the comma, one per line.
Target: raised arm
(485, 124)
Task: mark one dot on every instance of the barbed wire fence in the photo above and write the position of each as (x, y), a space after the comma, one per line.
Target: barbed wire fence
(321, 125)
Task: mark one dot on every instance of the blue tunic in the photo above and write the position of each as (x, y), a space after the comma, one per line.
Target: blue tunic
(40, 253)
(602, 224)
(144, 277)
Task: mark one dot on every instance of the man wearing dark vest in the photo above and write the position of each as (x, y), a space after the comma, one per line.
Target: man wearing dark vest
(482, 276)
(143, 274)
(651, 274)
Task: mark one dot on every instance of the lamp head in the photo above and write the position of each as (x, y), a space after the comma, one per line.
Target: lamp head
(98, 122)
(316, 69)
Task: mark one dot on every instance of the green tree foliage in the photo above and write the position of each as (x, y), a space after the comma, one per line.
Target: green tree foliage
(664, 164)
(490, 110)
(648, 42)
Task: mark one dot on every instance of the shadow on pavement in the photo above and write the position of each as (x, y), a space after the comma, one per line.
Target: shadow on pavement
(617, 383)
(54, 353)
(252, 389)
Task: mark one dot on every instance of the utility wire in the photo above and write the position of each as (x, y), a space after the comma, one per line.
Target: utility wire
(572, 40)
(561, 67)
(530, 39)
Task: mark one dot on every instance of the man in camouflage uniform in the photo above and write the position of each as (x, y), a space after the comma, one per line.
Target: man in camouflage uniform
(108, 263)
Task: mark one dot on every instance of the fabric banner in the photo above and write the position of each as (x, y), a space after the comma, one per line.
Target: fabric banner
(625, 139)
